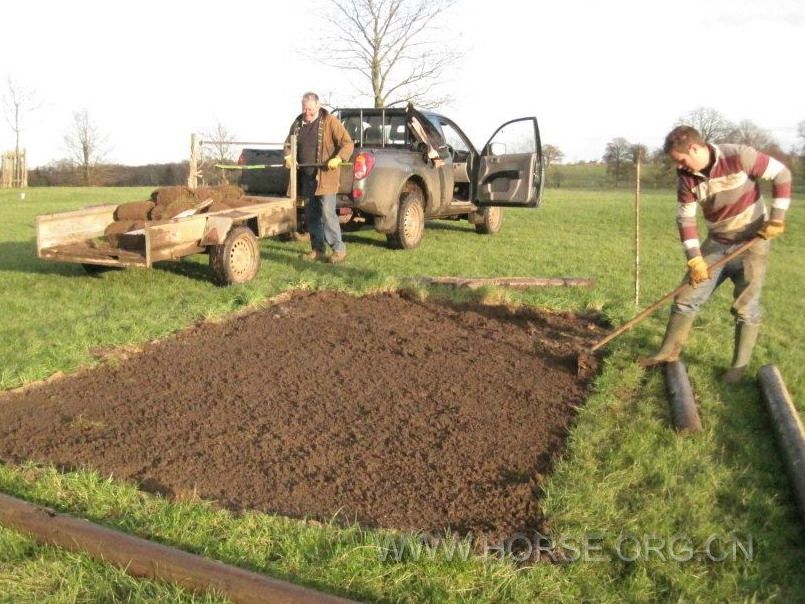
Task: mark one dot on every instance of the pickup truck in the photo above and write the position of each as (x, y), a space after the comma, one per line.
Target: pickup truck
(410, 166)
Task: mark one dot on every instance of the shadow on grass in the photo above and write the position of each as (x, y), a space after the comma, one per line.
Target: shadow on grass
(344, 271)
(20, 257)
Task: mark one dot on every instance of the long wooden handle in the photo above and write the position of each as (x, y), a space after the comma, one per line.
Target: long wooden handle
(647, 311)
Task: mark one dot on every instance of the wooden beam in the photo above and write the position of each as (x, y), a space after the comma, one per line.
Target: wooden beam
(142, 558)
(516, 282)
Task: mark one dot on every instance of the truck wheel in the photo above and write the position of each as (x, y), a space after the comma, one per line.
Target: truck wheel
(237, 259)
(410, 221)
(491, 221)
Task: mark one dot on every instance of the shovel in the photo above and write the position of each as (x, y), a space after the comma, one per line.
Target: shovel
(586, 355)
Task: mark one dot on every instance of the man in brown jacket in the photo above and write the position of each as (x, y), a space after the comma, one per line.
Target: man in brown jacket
(322, 145)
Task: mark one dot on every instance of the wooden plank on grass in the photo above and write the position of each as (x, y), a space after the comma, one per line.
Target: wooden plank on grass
(515, 282)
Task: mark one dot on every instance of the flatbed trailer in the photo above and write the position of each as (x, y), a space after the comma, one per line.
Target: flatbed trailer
(229, 236)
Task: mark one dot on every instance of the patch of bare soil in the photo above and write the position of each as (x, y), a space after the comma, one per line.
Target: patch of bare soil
(382, 409)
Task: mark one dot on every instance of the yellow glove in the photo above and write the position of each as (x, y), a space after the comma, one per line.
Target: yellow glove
(334, 163)
(287, 160)
(772, 229)
(697, 270)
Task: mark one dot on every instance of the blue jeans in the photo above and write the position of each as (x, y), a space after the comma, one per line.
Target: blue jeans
(321, 217)
(747, 272)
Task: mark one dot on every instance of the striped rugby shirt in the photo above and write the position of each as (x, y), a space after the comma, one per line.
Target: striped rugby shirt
(732, 205)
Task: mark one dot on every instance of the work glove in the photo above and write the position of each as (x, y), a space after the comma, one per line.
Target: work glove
(287, 160)
(772, 229)
(697, 271)
(334, 163)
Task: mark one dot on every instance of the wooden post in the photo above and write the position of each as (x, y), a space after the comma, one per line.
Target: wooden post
(195, 155)
(142, 558)
(637, 235)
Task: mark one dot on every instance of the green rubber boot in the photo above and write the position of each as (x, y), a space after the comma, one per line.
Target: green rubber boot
(745, 338)
(676, 334)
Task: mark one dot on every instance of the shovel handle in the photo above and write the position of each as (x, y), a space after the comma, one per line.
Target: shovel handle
(647, 311)
(266, 166)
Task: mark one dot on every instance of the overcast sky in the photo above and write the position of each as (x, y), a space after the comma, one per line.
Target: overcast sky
(151, 73)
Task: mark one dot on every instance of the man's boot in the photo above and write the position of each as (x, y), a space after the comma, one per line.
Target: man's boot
(676, 334)
(745, 338)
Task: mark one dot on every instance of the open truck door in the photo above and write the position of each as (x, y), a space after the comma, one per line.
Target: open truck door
(510, 171)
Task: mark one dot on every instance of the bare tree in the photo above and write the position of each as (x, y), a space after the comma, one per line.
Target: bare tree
(711, 124)
(747, 132)
(17, 103)
(617, 158)
(551, 154)
(216, 151)
(392, 46)
(638, 153)
(801, 134)
(85, 144)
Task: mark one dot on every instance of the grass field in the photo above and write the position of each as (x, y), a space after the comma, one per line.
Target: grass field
(626, 484)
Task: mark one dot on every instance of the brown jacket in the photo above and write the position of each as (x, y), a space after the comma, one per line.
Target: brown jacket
(333, 140)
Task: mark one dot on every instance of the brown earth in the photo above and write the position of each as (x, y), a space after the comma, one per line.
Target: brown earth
(382, 409)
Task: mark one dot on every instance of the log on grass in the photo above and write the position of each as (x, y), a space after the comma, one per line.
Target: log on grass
(142, 558)
(787, 428)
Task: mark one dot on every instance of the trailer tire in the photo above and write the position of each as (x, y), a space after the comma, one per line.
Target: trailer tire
(410, 221)
(491, 221)
(237, 259)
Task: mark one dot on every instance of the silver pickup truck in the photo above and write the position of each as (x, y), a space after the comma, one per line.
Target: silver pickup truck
(411, 166)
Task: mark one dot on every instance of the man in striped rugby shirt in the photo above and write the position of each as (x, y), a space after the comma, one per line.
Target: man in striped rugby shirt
(724, 181)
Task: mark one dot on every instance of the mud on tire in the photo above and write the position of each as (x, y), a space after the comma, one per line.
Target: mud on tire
(237, 259)
(410, 220)
(490, 221)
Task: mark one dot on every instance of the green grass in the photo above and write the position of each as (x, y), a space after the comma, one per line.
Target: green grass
(625, 475)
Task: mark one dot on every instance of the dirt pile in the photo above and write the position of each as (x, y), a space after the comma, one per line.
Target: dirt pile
(383, 409)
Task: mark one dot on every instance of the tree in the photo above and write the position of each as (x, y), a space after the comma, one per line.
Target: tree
(801, 134)
(551, 154)
(638, 153)
(17, 103)
(747, 132)
(713, 126)
(391, 45)
(85, 144)
(617, 157)
(217, 151)
(663, 168)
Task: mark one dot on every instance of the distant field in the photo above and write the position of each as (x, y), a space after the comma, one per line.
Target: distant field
(626, 482)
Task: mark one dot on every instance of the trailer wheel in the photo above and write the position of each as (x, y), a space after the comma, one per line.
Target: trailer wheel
(491, 221)
(410, 221)
(237, 259)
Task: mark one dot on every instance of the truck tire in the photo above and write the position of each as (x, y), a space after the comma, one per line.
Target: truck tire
(237, 259)
(410, 221)
(491, 221)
